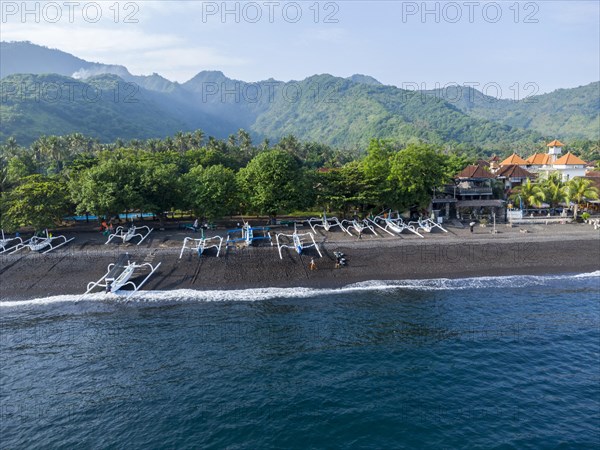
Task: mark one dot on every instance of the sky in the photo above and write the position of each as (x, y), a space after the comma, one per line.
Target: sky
(506, 49)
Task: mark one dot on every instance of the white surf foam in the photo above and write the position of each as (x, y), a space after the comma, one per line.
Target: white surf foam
(260, 294)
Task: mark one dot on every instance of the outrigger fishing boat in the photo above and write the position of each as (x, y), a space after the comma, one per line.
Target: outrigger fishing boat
(6, 245)
(247, 235)
(358, 225)
(126, 234)
(37, 243)
(324, 222)
(296, 242)
(427, 225)
(119, 274)
(393, 226)
(201, 244)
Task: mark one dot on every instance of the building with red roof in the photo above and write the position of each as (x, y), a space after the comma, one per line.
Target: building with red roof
(568, 165)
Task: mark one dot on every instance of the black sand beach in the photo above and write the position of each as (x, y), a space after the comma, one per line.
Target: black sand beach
(542, 249)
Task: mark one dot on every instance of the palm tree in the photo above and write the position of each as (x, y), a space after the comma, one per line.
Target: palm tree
(197, 139)
(555, 190)
(530, 193)
(55, 149)
(580, 189)
(245, 142)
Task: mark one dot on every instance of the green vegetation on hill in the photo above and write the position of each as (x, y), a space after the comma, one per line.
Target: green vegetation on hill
(344, 112)
(104, 107)
(569, 113)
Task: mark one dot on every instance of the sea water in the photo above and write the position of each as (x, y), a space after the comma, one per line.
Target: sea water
(509, 362)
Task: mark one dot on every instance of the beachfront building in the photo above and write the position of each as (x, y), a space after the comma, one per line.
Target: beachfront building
(471, 194)
(513, 175)
(474, 181)
(482, 188)
(593, 206)
(567, 165)
(494, 163)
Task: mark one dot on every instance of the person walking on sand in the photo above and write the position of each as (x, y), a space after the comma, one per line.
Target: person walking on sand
(312, 265)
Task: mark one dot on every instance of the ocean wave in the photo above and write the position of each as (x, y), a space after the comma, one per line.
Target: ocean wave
(270, 293)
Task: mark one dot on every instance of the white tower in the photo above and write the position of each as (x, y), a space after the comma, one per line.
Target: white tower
(555, 149)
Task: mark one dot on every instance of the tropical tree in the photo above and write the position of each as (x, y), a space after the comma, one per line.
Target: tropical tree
(158, 186)
(375, 167)
(210, 192)
(54, 150)
(108, 188)
(291, 144)
(415, 171)
(580, 189)
(342, 188)
(77, 144)
(555, 190)
(530, 193)
(273, 182)
(245, 142)
(38, 201)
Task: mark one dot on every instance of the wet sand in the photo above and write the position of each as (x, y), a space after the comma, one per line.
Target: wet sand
(543, 249)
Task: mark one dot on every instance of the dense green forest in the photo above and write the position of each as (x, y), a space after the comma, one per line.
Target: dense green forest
(61, 175)
(572, 114)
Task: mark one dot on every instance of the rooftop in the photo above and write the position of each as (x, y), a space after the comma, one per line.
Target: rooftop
(555, 143)
(514, 159)
(569, 160)
(539, 159)
(474, 171)
(513, 171)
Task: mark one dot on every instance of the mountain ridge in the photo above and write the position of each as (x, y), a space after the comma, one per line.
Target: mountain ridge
(338, 111)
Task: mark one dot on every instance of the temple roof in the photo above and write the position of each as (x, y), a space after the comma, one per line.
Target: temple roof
(514, 159)
(513, 171)
(555, 143)
(569, 160)
(474, 171)
(539, 159)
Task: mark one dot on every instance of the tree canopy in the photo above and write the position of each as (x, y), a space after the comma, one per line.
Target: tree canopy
(273, 182)
(212, 177)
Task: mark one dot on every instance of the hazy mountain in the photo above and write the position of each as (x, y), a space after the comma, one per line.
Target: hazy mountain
(570, 113)
(105, 107)
(346, 113)
(364, 79)
(339, 111)
(25, 57)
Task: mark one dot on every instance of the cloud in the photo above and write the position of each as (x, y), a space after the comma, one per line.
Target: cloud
(139, 51)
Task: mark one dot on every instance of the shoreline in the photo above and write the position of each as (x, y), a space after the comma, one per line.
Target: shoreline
(543, 250)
